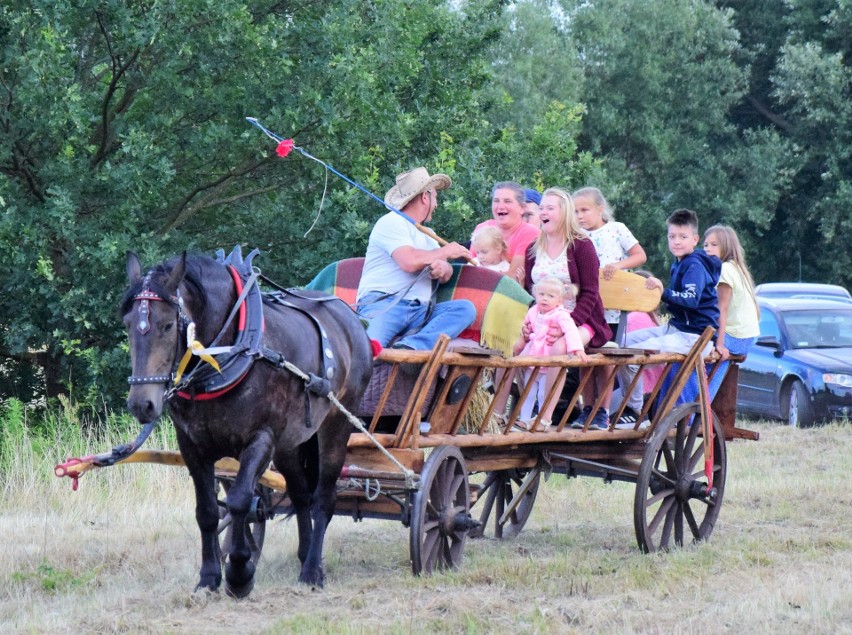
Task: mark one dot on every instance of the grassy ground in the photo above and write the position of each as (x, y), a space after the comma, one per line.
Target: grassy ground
(122, 554)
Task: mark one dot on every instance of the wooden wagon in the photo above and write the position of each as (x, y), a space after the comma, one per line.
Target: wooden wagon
(429, 456)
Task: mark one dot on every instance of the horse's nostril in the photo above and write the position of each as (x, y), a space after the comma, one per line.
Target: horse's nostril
(142, 409)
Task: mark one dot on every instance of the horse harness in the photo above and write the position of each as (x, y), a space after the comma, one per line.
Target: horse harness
(227, 366)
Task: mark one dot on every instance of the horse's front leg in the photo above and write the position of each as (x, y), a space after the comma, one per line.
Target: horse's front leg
(239, 571)
(207, 517)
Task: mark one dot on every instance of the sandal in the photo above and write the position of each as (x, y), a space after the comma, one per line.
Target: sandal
(526, 425)
(497, 422)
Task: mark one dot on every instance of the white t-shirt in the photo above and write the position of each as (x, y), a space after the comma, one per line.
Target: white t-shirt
(381, 272)
(500, 267)
(612, 242)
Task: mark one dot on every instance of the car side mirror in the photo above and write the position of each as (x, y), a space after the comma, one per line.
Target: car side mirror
(769, 341)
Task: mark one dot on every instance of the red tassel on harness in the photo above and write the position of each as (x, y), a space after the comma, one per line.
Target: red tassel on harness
(376, 347)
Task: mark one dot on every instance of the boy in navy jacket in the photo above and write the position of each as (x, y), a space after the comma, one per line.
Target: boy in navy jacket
(690, 298)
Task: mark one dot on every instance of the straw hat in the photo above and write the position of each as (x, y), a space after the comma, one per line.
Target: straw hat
(410, 184)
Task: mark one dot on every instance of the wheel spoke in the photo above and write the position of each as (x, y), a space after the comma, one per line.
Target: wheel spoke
(666, 453)
(439, 484)
(660, 514)
(689, 444)
(457, 486)
(678, 523)
(690, 519)
(498, 513)
(694, 459)
(659, 496)
(490, 479)
(431, 524)
(430, 542)
(487, 506)
(665, 477)
(666, 533)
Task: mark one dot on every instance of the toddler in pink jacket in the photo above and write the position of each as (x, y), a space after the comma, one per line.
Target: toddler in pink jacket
(549, 309)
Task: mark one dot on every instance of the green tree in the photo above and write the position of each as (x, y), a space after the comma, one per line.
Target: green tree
(801, 85)
(122, 126)
(660, 78)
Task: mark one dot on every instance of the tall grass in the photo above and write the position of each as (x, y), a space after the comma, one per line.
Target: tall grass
(32, 443)
(122, 553)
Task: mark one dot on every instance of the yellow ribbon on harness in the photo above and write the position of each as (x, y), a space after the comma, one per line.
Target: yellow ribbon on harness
(194, 347)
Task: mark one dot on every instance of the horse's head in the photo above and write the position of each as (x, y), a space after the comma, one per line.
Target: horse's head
(153, 314)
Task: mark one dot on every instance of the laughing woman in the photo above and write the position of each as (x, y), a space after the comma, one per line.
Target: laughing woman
(507, 207)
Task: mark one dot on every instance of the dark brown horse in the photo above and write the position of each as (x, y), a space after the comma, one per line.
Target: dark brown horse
(255, 407)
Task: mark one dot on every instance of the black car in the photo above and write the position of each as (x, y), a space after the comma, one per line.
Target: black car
(800, 368)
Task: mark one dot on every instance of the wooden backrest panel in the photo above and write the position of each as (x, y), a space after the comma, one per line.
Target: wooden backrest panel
(626, 291)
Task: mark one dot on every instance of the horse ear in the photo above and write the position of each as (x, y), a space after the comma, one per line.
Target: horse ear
(134, 269)
(177, 274)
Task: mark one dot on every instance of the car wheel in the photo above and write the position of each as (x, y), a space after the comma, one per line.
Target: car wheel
(799, 411)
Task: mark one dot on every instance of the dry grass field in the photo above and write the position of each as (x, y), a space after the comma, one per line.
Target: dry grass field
(122, 553)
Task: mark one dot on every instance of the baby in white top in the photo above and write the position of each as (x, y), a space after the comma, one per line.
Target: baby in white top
(491, 249)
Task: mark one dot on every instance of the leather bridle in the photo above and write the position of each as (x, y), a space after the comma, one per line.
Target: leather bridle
(145, 296)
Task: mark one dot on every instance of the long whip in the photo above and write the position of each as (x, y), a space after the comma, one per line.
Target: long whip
(285, 146)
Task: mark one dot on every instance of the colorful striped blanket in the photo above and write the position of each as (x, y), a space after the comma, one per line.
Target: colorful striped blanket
(501, 303)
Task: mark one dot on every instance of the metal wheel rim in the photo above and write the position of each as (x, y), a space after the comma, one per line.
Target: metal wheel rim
(436, 541)
(793, 412)
(667, 510)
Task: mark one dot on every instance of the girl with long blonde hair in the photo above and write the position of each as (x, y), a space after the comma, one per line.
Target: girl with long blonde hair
(738, 311)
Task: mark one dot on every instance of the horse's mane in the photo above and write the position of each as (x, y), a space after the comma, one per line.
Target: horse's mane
(196, 266)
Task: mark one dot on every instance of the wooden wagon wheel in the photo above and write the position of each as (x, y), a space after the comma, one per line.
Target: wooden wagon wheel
(255, 522)
(514, 491)
(440, 513)
(672, 498)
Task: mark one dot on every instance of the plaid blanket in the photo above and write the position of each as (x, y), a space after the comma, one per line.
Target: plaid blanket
(501, 303)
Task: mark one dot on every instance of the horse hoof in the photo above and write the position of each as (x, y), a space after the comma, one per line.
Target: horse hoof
(209, 587)
(239, 581)
(239, 592)
(315, 579)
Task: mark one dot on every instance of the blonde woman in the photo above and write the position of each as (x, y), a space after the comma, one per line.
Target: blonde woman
(563, 251)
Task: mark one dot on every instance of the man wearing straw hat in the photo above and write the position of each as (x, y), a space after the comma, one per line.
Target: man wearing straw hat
(402, 262)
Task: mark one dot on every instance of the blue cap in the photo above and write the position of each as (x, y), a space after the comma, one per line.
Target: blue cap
(533, 196)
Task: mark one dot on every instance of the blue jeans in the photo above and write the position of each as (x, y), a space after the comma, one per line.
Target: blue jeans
(450, 318)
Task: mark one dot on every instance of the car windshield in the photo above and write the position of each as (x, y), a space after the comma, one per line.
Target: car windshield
(823, 329)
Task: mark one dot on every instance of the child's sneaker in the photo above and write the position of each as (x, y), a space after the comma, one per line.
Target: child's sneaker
(600, 420)
(580, 421)
(628, 419)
